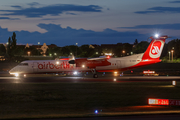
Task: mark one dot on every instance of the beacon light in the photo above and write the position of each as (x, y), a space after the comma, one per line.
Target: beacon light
(108, 57)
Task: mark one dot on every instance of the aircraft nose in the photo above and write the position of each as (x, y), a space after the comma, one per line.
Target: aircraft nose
(13, 70)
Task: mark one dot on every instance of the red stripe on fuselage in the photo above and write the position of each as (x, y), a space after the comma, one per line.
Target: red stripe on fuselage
(140, 64)
(91, 63)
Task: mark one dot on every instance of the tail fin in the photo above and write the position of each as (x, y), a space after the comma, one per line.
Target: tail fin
(155, 48)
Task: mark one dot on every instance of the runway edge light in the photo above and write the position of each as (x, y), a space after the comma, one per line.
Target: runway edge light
(96, 111)
(174, 83)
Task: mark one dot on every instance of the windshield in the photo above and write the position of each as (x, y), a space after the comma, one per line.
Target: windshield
(23, 64)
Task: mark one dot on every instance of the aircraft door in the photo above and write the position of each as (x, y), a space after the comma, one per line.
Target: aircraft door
(118, 62)
(35, 67)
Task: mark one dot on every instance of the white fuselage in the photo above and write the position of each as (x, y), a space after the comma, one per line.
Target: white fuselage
(56, 66)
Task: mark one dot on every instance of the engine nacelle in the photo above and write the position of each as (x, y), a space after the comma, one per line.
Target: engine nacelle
(72, 62)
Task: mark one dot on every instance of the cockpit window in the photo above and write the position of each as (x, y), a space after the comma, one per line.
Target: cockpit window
(23, 64)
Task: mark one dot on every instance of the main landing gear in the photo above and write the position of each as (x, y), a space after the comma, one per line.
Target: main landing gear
(94, 73)
(95, 76)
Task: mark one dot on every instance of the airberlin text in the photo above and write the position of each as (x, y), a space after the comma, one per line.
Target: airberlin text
(48, 65)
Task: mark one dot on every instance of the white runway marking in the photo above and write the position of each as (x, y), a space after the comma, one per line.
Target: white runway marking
(8, 77)
(109, 77)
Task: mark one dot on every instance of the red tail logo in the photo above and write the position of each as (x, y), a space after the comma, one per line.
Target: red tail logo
(156, 49)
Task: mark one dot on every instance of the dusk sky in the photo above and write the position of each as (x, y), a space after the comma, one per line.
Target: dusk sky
(67, 22)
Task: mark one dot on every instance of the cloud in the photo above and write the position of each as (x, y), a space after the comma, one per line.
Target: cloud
(16, 6)
(160, 10)
(175, 26)
(50, 19)
(174, 2)
(7, 18)
(53, 10)
(33, 4)
(68, 36)
(70, 13)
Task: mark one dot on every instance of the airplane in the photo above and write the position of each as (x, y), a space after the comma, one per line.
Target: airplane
(102, 64)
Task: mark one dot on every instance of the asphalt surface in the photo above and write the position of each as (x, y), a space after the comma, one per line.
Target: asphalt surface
(75, 79)
(132, 117)
(90, 79)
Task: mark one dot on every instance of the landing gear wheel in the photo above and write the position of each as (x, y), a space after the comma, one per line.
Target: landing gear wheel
(95, 76)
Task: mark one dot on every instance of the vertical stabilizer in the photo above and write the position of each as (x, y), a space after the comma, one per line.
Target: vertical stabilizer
(155, 48)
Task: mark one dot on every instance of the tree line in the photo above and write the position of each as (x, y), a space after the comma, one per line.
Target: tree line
(120, 49)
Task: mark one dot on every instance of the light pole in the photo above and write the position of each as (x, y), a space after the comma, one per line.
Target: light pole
(172, 54)
(76, 48)
(38, 48)
(7, 47)
(169, 55)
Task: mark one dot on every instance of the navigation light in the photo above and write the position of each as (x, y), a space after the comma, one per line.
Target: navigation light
(156, 35)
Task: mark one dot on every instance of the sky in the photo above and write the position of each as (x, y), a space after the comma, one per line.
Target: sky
(67, 22)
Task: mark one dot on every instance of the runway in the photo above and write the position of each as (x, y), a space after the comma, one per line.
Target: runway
(52, 79)
(82, 95)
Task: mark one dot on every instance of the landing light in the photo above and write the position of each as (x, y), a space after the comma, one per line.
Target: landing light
(16, 74)
(75, 73)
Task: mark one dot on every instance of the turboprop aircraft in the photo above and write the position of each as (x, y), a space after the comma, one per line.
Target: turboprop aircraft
(106, 64)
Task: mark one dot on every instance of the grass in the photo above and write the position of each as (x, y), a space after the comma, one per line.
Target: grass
(20, 100)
